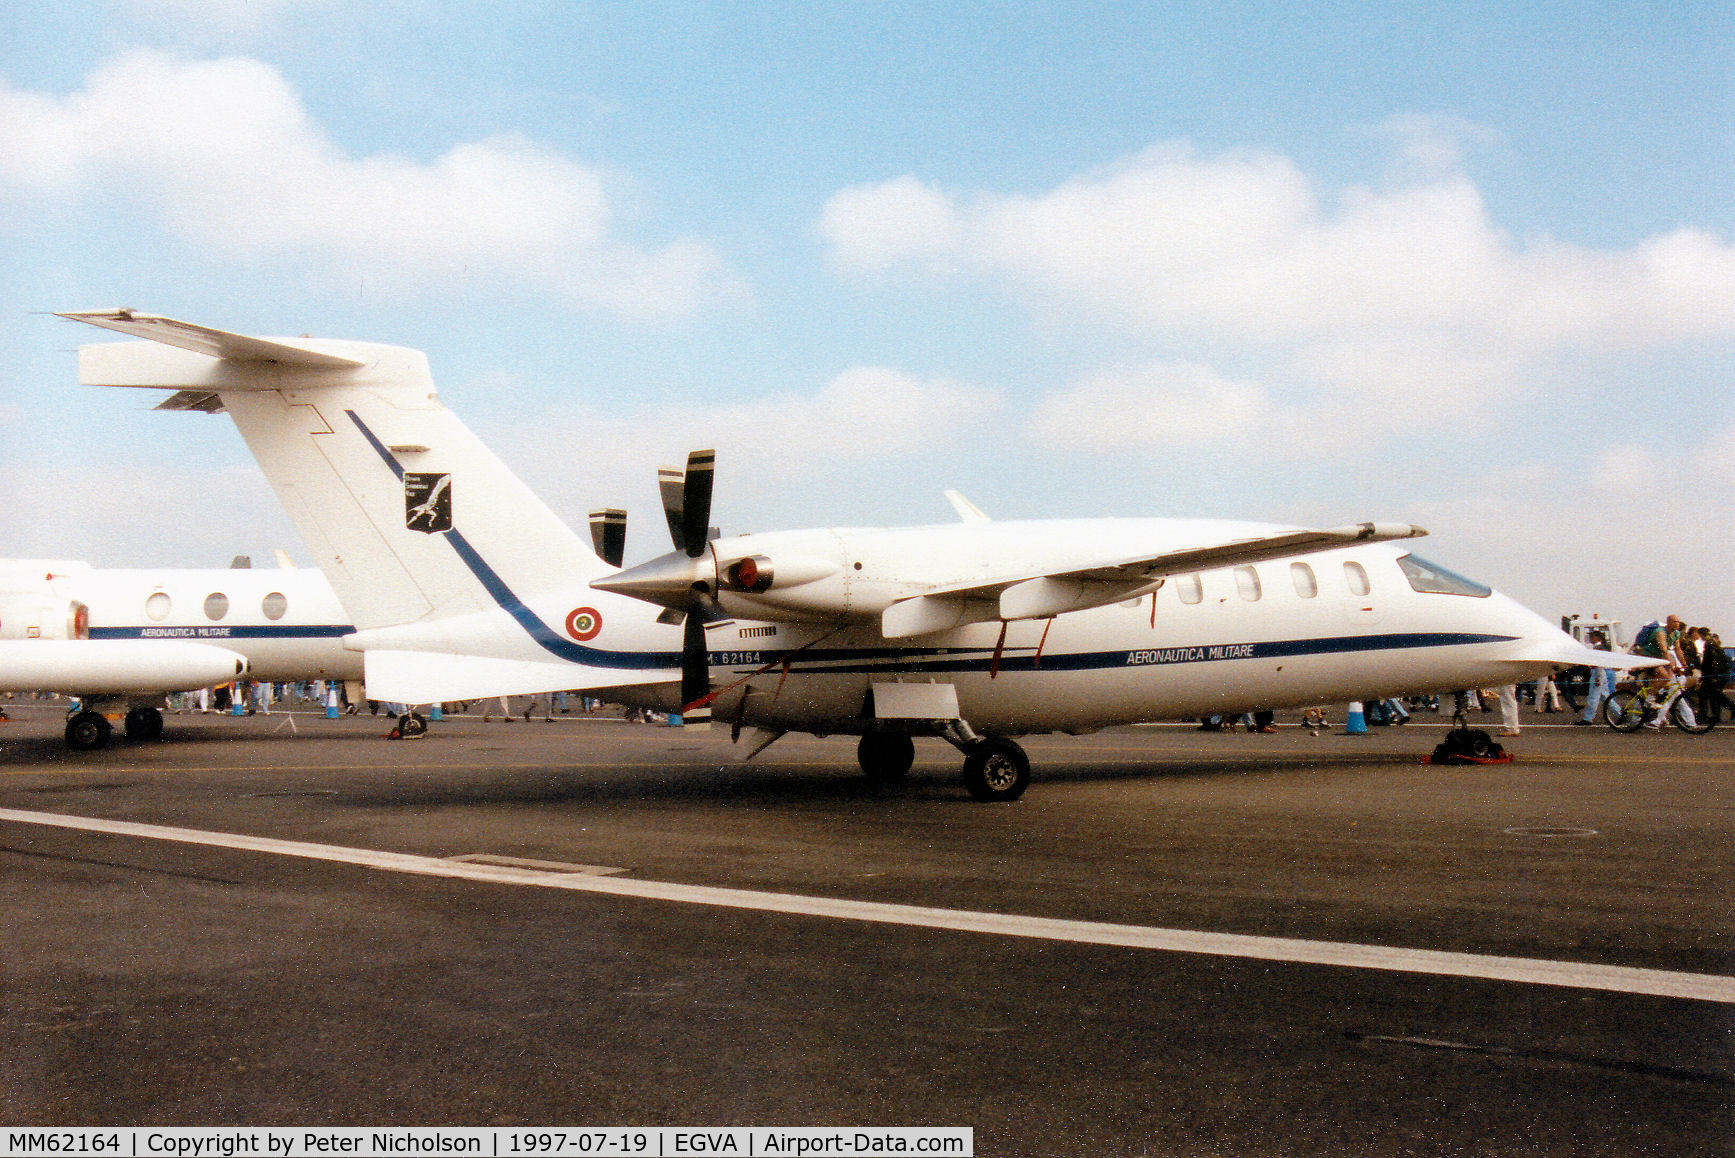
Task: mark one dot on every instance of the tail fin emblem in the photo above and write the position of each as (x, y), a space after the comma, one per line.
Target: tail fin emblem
(428, 502)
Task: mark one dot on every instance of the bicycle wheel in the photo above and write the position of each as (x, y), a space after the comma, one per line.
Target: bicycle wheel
(1624, 711)
(1682, 716)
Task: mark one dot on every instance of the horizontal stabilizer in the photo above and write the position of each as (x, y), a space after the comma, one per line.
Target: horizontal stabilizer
(421, 677)
(205, 340)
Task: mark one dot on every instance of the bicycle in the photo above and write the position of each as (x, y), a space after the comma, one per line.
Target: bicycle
(1630, 710)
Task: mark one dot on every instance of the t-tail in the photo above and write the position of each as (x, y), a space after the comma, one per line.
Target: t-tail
(434, 547)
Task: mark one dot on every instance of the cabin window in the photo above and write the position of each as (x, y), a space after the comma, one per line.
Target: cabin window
(1247, 583)
(1306, 585)
(1190, 588)
(274, 605)
(1431, 579)
(157, 607)
(216, 605)
(1357, 577)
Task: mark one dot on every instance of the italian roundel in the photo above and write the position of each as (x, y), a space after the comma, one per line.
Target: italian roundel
(584, 623)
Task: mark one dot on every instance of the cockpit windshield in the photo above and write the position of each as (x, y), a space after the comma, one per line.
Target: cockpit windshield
(1432, 579)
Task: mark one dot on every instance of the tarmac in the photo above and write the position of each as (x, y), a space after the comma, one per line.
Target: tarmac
(1177, 942)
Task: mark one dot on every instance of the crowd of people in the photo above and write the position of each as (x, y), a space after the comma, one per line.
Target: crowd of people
(1694, 665)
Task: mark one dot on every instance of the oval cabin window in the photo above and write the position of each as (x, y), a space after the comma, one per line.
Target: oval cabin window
(1247, 583)
(158, 606)
(216, 605)
(274, 605)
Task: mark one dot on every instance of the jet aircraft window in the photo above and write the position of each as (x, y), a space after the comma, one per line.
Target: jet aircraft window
(274, 605)
(216, 605)
(1247, 582)
(1190, 588)
(1432, 579)
(158, 605)
(1357, 577)
(1306, 585)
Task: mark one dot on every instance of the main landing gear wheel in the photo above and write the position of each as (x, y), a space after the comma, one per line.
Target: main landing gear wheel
(87, 731)
(885, 756)
(412, 724)
(996, 770)
(144, 724)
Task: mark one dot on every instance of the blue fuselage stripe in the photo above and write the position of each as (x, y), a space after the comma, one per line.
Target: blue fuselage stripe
(248, 631)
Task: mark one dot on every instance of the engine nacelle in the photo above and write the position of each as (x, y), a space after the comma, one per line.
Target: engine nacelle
(40, 615)
(757, 574)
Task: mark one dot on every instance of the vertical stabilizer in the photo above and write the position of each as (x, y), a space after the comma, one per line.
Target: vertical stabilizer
(410, 516)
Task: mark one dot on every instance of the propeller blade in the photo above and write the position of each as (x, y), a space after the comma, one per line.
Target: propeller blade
(671, 484)
(608, 531)
(695, 667)
(696, 502)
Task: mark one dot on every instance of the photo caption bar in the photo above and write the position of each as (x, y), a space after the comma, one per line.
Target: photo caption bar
(589, 1141)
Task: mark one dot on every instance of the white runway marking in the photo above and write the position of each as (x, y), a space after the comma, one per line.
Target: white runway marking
(1528, 971)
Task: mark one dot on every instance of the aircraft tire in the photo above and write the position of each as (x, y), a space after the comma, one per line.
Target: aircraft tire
(885, 756)
(996, 771)
(144, 724)
(412, 724)
(87, 731)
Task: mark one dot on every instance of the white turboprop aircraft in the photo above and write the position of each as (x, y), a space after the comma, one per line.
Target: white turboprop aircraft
(123, 639)
(462, 584)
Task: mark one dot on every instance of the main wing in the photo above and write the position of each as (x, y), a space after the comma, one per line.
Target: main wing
(1040, 595)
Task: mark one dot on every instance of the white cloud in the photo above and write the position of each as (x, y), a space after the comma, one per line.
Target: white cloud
(1242, 246)
(1434, 142)
(1631, 536)
(866, 423)
(873, 226)
(1371, 297)
(226, 155)
(157, 514)
(1159, 405)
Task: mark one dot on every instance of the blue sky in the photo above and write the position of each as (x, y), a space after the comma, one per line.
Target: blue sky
(1469, 266)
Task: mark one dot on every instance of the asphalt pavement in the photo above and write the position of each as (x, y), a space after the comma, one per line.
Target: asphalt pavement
(568, 923)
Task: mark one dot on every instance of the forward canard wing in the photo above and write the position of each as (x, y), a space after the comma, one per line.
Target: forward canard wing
(1040, 595)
